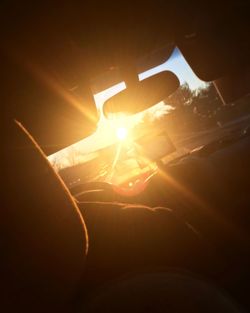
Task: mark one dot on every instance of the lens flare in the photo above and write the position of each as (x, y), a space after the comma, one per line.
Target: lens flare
(121, 133)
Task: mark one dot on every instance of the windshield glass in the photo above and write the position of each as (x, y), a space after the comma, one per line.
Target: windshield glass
(125, 147)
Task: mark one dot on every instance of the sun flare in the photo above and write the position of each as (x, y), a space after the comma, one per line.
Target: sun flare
(121, 133)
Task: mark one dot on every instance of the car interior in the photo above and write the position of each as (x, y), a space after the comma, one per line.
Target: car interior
(176, 238)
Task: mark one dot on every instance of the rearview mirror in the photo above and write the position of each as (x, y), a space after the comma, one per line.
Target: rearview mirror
(143, 94)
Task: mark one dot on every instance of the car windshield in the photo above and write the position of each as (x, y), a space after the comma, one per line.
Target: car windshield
(126, 147)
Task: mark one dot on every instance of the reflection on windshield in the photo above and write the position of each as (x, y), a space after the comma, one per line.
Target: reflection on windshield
(124, 147)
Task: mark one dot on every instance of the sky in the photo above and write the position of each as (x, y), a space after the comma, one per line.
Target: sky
(178, 65)
(105, 133)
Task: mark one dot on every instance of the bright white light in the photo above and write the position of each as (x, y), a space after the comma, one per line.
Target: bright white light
(121, 133)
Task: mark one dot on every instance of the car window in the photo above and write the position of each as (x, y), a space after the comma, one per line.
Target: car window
(127, 146)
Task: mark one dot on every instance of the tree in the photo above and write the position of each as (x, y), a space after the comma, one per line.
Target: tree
(182, 97)
(197, 109)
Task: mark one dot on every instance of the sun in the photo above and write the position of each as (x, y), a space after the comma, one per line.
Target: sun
(121, 133)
